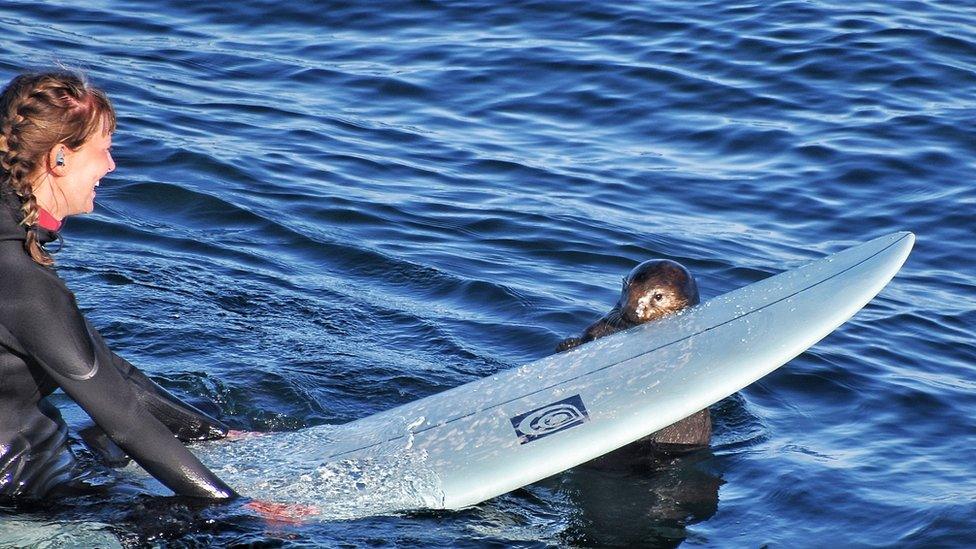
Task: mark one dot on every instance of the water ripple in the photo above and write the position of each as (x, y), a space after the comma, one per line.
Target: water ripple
(324, 210)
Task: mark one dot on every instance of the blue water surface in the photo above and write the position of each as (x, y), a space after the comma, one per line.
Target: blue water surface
(326, 209)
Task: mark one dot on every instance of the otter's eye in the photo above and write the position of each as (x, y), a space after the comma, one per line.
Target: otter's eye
(658, 296)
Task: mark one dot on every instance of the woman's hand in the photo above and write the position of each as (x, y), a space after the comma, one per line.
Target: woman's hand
(289, 513)
(241, 435)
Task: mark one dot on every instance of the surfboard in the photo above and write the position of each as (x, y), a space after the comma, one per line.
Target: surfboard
(493, 435)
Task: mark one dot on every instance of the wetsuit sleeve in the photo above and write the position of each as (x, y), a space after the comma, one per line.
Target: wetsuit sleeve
(47, 324)
(185, 421)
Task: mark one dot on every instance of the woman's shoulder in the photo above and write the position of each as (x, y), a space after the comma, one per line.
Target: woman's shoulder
(22, 275)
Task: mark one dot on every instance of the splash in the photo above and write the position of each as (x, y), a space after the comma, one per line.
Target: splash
(294, 467)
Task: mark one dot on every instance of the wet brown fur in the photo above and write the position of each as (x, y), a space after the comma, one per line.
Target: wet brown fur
(652, 290)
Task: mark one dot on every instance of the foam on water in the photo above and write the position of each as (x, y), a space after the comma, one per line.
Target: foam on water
(291, 467)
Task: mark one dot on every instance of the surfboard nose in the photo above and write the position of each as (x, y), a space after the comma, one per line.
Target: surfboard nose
(905, 234)
(910, 236)
(905, 241)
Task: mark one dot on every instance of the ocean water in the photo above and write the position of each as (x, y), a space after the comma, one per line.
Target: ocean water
(326, 209)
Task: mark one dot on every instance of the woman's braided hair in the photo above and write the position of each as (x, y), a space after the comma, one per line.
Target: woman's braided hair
(38, 111)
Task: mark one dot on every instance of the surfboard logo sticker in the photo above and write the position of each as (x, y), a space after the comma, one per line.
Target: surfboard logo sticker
(550, 419)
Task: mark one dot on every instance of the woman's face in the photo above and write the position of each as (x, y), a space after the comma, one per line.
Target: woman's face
(83, 168)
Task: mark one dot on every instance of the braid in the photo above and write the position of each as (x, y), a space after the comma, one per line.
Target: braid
(31, 244)
(37, 112)
(17, 167)
(10, 133)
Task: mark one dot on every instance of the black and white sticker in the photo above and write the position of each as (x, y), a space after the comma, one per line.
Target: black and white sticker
(550, 419)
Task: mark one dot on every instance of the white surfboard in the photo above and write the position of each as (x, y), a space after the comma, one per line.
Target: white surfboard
(485, 438)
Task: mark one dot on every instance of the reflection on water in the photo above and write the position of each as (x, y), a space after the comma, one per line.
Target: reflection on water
(56, 534)
(640, 499)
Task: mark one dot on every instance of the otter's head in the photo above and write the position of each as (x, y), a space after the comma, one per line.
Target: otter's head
(656, 288)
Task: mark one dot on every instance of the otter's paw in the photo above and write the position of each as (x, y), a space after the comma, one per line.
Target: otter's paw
(568, 344)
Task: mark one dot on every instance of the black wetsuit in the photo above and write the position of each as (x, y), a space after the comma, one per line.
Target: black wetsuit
(46, 344)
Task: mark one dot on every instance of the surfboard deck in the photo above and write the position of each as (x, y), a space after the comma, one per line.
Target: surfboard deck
(493, 435)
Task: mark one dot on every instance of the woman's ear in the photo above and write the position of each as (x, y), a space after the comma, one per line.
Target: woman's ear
(57, 160)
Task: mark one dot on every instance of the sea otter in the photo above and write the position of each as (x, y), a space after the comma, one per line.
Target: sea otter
(653, 289)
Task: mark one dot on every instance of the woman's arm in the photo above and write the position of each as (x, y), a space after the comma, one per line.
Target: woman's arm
(47, 324)
(185, 421)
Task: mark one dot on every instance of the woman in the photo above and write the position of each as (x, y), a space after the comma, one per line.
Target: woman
(55, 146)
